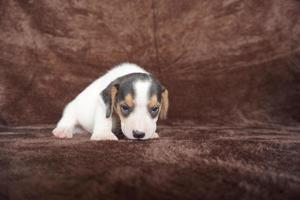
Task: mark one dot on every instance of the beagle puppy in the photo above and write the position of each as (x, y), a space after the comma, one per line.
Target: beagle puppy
(126, 96)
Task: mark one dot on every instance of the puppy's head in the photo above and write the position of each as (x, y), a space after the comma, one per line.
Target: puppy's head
(139, 100)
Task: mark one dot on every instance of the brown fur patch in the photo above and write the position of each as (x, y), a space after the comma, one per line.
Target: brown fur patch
(118, 112)
(113, 93)
(129, 100)
(164, 104)
(153, 101)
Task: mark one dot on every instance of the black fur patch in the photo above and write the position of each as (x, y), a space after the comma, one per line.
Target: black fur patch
(125, 86)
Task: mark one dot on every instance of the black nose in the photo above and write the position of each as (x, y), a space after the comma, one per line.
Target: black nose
(138, 134)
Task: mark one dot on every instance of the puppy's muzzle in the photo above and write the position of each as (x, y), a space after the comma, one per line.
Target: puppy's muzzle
(138, 134)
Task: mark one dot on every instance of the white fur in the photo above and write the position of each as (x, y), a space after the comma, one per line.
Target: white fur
(88, 109)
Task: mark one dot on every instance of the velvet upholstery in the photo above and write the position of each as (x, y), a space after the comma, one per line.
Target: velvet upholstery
(187, 162)
(232, 69)
(223, 62)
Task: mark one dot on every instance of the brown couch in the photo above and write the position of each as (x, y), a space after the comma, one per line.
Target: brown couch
(232, 69)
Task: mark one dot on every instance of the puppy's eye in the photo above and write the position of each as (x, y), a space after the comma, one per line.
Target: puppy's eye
(154, 109)
(125, 109)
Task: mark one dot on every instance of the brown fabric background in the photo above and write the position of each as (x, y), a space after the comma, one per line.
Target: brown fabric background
(223, 62)
(232, 68)
(187, 162)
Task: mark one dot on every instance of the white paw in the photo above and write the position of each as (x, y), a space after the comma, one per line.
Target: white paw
(106, 136)
(155, 135)
(63, 132)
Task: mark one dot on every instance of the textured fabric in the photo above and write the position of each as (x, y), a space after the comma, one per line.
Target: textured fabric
(232, 69)
(187, 162)
(225, 62)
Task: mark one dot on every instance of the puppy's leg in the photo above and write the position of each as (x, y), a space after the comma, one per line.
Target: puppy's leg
(66, 125)
(102, 127)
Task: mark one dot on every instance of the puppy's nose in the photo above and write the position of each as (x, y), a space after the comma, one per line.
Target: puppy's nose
(138, 134)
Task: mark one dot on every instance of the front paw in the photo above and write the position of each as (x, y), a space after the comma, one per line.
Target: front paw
(62, 132)
(106, 136)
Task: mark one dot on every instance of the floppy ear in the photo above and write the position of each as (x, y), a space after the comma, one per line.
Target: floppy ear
(109, 97)
(164, 104)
